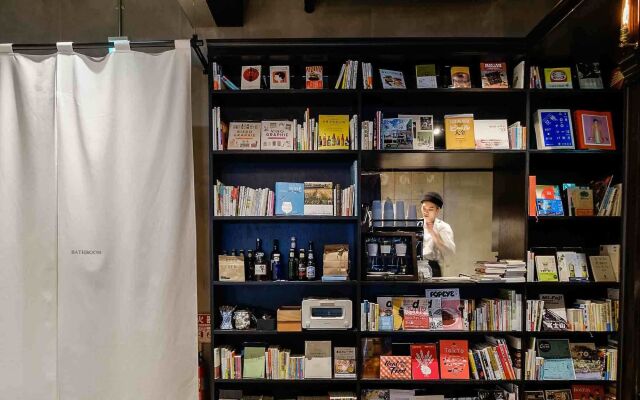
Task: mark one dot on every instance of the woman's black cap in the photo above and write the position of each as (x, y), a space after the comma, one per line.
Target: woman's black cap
(433, 197)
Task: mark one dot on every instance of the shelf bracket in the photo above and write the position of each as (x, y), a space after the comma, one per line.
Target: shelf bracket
(195, 45)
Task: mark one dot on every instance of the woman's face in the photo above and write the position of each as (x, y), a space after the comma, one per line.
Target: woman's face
(430, 211)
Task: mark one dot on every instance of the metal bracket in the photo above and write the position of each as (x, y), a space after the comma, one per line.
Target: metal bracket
(195, 45)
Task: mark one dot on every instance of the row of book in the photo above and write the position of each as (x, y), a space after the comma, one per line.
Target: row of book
(348, 77)
(242, 201)
(421, 394)
(500, 271)
(548, 313)
(572, 266)
(555, 129)
(576, 392)
(442, 309)
(559, 359)
(600, 198)
(234, 394)
(589, 77)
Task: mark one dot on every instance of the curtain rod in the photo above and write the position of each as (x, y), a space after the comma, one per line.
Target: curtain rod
(102, 45)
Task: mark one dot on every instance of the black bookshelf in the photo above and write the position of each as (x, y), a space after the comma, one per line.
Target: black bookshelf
(517, 233)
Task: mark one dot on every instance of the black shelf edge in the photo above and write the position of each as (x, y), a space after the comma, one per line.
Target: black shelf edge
(287, 153)
(442, 90)
(310, 218)
(576, 284)
(575, 92)
(445, 151)
(567, 382)
(590, 218)
(295, 91)
(441, 284)
(253, 332)
(365, 381)
(575, 152)
(442, 333)
(562, 334)
(285, 283)
(310, 381)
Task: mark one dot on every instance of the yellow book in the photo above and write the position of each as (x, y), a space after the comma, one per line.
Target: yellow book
(397, 318)
(333, 132)
(459, 132)
(558, 78)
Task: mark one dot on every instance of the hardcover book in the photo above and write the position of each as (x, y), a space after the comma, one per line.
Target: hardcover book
(426, 76)
(594, 130)
(491, 134)
(313, 77)
(244, 136)
(546, 270)
(289, 198)
(392, 79)
(397, 134)
(554, 317)
(279, 77)
(318, 198)
(454, 359)
(333, 132)
(460, 77)
(558, 364)
(250, 77)
(558, 78)
(586, 362)
(395, 367)
(422, 131)
(553, 129)
(589, 76)
(548, 201)
(494, 75)
(277, 135)
(344, 362)
(424, 361)
(558, 394)
(587, 392)
(459, 132)
(416, 315)
(602, 269)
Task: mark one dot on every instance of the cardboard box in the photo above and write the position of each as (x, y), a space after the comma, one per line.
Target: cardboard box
(289, 319)
(231, 268)
(335, 260)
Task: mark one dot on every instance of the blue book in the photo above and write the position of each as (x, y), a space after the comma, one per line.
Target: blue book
(548, 201)
(558, 364)
(397, 134)
(554, 129)
(386, 323)
(289, 198)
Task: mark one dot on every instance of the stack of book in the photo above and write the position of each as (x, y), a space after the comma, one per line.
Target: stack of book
(227, 364)
(348, 75)
(367, 76)
(497, 393)
(501, 271)
(233, 201)
(504, 314)
(280, 364)
(517, 136)
(549, 314)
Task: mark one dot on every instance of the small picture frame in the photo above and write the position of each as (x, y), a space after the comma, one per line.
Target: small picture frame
(595, 130)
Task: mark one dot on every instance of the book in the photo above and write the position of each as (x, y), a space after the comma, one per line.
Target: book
(434, 307)
(424, 361)
(333, 132)
(396, 304)
(613, 251)
(289, 198)
(317, 359)
(548, 201)
(568, 268)
(454, 359)
(580, 201)
(546, 270)
(589, 76)
(460, 77)
(416, 315)
(587, 392)
(250, 77)
(376, 394)
(244, 136)
(558, 364)
(459, 132)
(586, 362)
(313, 77)
(392, 79)
(534, 395)
(532, 196)
(554, 129)
(449, 299)
(554, 317)
(491, 134)
(318, 198)
(557, 78)
(253, 365)
(397, 134)
(422, 131)
(426, 76)
(277, 135)
(558, 394)
(594, 130)
(279, 77)
(494, 75)
(518, 76)
(395, 367)
(344, 362)
(602, 269)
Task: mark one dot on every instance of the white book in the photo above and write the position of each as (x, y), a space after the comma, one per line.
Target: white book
(491, 134)
(250, 77)
(277, 135)
(279, 77)
(317, 359)
(518, 76)
(613, 251)
(555, 313)
(567, 265)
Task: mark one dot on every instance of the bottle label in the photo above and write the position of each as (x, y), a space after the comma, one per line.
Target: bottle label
(261, 269)
(311, 272)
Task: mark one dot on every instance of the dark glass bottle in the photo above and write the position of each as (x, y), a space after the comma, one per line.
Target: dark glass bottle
(302, 266)
(292, 271)
(277, 269)
(262, 270)
(311, 263)
(249, 266)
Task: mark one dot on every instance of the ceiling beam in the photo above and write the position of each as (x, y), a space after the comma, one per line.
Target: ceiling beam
(558, 14)
(227, 13)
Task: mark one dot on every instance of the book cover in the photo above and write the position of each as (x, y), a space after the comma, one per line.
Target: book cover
(602, 269)
(449, 299)
(397, 313)
(518, 76)
(426, 76)
(422, 131)
(289, 198)
(589, 76)
(318, 198)
(558, 394)
(397, 134)
(395, 367)
(613, 251)
(416, 315)
(244, 136)
(558, 364)
(392, 79)
(491, 134)
(554, 317)
(333, 132)
(313, 77)
(277, 135)
(546, 270)
(372, 349)
(534, 395)
(344, 362)
(253, 365)
(375, 394)
(594, 130)
(582, 271)
(494, 75)
(587, 392)
(317, 359)
(568, 268)
(460, 77)
(558, 78)
(279, 77)
(581, 201)
(385, 306)
(424, 361)
(459, 132)
(454, 359)
(434, 307)
(250, 77)
(586, 362)
(548, 201)
(554, 129)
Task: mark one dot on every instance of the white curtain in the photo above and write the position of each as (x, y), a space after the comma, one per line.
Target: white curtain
(27, 227)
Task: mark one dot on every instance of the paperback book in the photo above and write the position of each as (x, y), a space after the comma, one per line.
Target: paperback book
(459, 132)
(546, 270)
(460, 77)
(416, 315)
(313, 77)
(491, 134)
(594, 130)
(392, 79)
(548, 201)
(318, 198)
(344, 362)
(589, 76)
(424, 361)
(452, 318)
(558, 364)
(333, 132)
(554, 129)
(558, 78)
(602, 269)
(554, 317)
(395, 367)
(454, 359)
(422, 131)
(277, 135)
(279, 77)
(289, 198)
(588, 392)
(244, 136)
(397, 134)
(558, 394)
(250, 77)
(426, 76)
(586, 361)
(494, 75)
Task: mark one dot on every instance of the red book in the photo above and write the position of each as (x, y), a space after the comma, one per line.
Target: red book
(454, 359)
(424, 361)
(533, 211)
(594, 130)
(416, 313)
(587, 392)
(395, 367)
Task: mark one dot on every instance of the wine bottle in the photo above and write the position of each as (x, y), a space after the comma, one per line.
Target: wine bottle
(292, 271)
(277, 270)
(311, 263)
(302, 266)
(262, 270)
(249, 266)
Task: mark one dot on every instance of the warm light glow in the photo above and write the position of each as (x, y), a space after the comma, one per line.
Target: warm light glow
(437, 131)
(625, 13)
(624, 24)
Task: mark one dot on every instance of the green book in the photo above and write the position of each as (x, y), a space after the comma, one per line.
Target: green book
(253, 366)
(546, 269)
(426, 76)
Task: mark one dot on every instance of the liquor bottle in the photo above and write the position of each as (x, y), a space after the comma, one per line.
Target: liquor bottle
(311, 263)
(302, 266)
(249, 266)
(262, 270)
(277, 269)
(292, 271)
